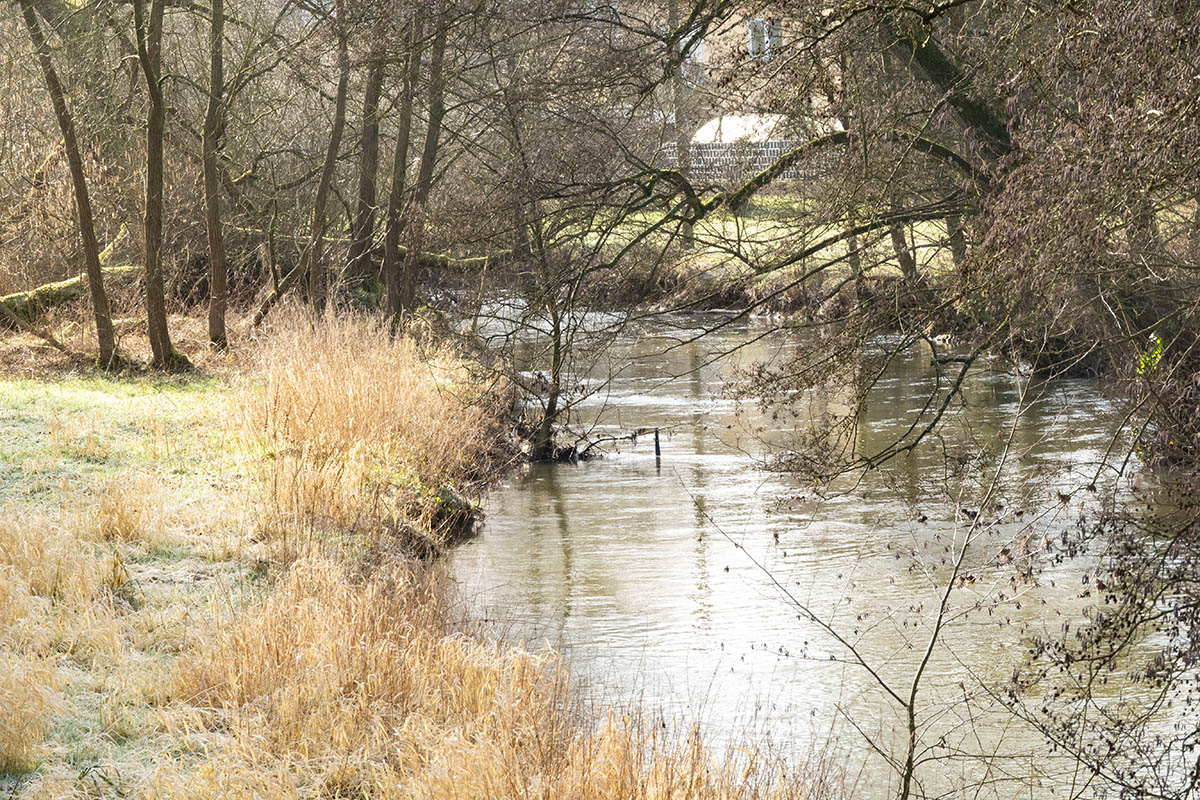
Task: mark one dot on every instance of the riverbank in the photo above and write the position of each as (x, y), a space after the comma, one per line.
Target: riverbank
(207, 589)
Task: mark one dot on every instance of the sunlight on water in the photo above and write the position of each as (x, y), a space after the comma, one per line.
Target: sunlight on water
(622, 563)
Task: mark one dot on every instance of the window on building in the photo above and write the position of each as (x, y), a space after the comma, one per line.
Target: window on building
(764, 37)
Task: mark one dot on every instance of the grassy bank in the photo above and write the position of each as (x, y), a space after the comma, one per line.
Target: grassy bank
(207, 590)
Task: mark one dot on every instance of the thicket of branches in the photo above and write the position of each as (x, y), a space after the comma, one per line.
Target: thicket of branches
(1017, 176)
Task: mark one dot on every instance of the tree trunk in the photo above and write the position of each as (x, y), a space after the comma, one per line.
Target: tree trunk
(315, 253)
(543, 443)
(358, 260)
(214, 123)
(1194, 234)
(149, 46)
(683, 131)
(958, 245)
(29, 307)
(395, 214)
(904, 256)
(437, 110)
(854, 259)
(522, 246)
(83, 205)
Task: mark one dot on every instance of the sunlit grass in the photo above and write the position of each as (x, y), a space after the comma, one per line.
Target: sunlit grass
(156, 641)
(358, 431)
(72, 430)
(29, 698)
(362, 689)
(122, 517)
(774, 253)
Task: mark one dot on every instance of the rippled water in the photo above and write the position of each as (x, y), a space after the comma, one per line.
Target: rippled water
(662, 579)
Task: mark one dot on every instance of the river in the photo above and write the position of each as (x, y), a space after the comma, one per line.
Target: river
(684, 582)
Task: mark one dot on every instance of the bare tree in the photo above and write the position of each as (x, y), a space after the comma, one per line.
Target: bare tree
(149, 45)
(312, 262)
(358, 259)
(418, 210)
(214, 123)
(87, 231)
(392, 259)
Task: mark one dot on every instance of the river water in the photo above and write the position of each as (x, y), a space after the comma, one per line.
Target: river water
(688, 583)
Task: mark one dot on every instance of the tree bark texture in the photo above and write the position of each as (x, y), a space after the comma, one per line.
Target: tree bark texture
(314, 256)
(106, 339)
(214, 123)
(392, 262)
(149, 44)
(437, 110)
(683, 128)
(358, 261)
(904, 256)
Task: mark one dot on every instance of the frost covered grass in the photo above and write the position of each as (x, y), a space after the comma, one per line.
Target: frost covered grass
(157, 641)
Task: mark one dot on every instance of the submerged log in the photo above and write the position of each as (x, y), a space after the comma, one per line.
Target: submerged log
(30, 306)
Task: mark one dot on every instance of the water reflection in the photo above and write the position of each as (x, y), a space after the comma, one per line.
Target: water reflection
(618, 562)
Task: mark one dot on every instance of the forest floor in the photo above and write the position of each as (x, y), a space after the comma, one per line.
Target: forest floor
(206, 590)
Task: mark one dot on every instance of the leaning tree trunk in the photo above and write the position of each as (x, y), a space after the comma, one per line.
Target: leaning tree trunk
(958, 246)
(214, 123)
(392, 266)
(437, 110)
(316, 246)
(358, 260)
(904, 256)
(149, 44)
(83, 204)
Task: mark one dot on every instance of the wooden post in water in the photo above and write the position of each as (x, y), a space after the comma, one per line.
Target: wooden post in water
(657, 449)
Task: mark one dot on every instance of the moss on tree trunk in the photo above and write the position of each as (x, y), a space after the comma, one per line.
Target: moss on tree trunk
(29, 306)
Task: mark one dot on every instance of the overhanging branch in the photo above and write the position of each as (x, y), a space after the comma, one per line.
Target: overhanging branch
(738, 199)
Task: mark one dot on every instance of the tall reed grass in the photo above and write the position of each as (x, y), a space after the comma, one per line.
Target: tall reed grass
(359, 430)
(29, 697)
(360, 688)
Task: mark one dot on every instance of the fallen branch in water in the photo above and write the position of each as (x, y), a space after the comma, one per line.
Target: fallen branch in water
(631, 437)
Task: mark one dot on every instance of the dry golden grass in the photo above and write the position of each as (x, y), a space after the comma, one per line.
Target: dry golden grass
(44, 577)
(16, 601)
(58, 590)
(50, 559)
(145, 635)
(359, 430)
(131, 510)
(29, 697)
(66, 586)
(356, 687)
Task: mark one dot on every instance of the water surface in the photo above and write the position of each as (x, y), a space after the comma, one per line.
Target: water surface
(667, 579)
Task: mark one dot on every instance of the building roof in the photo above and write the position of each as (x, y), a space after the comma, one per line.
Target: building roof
(749, 128)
